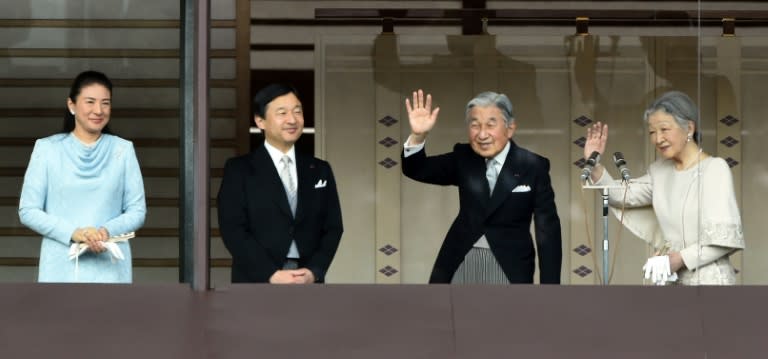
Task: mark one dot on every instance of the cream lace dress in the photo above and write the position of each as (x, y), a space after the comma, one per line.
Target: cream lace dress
(693, 211)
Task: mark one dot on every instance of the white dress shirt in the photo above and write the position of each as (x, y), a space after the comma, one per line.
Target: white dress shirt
(276, 156)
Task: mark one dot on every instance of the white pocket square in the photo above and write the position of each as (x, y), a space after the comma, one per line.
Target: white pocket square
(321, 184)
(522, 188)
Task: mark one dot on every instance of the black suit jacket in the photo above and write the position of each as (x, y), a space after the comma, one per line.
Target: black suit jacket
(504, 218)
(256, 222)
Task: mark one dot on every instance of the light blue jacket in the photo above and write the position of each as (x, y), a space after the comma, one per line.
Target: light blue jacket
(69, 185)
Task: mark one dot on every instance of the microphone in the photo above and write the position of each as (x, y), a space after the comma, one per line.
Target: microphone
(618, 159)
(592, 161)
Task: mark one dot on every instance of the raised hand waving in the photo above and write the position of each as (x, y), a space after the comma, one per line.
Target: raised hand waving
(421, 116)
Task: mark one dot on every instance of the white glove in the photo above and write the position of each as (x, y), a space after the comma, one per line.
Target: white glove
(114, 250)
(77, 249)
(657, 269)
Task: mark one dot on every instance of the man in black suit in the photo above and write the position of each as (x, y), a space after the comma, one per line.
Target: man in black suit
(501, 187)
(279, 211)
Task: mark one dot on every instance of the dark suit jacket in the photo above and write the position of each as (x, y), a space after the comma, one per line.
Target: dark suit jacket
(504, 218)
(256, 222)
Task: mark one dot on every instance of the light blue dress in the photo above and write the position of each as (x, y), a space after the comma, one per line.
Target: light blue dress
(69, 185)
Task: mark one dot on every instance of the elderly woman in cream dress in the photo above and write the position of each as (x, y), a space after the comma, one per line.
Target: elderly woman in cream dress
(685, 205)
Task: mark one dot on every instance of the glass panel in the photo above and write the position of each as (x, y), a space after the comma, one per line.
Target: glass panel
(558, 86)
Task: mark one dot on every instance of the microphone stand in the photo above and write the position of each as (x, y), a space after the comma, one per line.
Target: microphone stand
(604, 194)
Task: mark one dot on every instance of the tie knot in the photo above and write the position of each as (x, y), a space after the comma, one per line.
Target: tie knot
(286, 160)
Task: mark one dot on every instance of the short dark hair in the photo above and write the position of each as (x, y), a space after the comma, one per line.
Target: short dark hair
(269, 93)
(84, 79)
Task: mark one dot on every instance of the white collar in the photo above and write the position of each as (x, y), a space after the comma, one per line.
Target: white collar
(501, 156)
(277, 155)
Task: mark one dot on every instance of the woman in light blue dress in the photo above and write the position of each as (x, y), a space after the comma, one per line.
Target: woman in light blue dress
(83, 185)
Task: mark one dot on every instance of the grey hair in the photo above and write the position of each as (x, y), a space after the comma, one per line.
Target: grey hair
(490, 98)
(680, 107)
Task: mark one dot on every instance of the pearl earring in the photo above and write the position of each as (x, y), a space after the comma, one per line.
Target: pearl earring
(72, 112)
(690, 137)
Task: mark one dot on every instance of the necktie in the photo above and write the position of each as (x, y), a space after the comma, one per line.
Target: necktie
(287, 178)
(492, 174)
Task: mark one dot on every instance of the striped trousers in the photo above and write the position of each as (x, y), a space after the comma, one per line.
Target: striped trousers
(479, 267)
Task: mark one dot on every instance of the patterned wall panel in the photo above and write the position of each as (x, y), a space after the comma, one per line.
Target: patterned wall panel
(580, 259)
(388, 175)
(729, 123)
